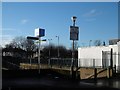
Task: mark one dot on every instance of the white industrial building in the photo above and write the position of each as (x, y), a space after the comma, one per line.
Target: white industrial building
(99, 56)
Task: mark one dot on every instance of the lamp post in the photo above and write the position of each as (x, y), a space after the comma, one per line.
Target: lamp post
(58, 47)
(90, 43)
(73, 54)
(49, 52)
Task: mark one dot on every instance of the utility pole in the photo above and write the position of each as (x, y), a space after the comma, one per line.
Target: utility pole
(49, 52)
(73, 36)
(73, 53)
(58, 47)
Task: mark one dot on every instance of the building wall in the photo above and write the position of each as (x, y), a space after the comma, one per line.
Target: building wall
(118, 62)
(93, 56)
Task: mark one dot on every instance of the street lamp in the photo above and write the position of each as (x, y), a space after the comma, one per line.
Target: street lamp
(74, 19)
(49, 52)
(90, 43)
(58, 46)
(73, 54)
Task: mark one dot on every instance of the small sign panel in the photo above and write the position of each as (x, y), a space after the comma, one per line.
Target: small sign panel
(39, 32)
(42, 32)
(74, 32)
(33, 38)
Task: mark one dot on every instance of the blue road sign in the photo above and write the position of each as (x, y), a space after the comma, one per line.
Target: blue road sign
(41, 32)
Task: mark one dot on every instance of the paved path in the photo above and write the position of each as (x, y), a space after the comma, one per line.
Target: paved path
(52, 80)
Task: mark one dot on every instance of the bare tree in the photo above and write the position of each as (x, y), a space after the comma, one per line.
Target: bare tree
(18, 42)
(24, 44)
(97, 43)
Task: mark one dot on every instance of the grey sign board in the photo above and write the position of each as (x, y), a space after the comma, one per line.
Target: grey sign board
(74, 32)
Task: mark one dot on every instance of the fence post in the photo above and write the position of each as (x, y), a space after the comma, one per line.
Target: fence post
(95, 74)
(114, 69)
(109, 71)
(93, 63)
(111, 60)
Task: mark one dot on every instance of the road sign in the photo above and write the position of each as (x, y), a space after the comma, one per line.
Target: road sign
(33, 38)
(74, 32)
(39, 32)
(41, 40)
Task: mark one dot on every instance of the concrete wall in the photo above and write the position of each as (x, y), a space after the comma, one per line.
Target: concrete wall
(88, 73)
(118, 62)
(93, 56)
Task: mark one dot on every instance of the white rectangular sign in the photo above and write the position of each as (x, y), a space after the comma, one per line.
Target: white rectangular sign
(74, 32)
(37, 32)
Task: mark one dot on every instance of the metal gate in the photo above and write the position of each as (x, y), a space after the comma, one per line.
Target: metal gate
(106, 59)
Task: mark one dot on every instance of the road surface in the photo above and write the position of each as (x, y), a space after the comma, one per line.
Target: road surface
(31, 80)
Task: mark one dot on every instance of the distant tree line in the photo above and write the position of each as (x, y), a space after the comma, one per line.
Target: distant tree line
(25, 49)
(21, 44)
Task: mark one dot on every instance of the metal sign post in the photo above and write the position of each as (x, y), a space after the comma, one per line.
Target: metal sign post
(39, 54)
(74, 31)
(38, 34)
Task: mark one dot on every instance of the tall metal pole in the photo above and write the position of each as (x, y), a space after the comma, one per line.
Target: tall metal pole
(73, 54)
(111, 60)
(39, 47)
(38, 33)
(90, 43)
(58, 46)
(73, 42)
(49, 52)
